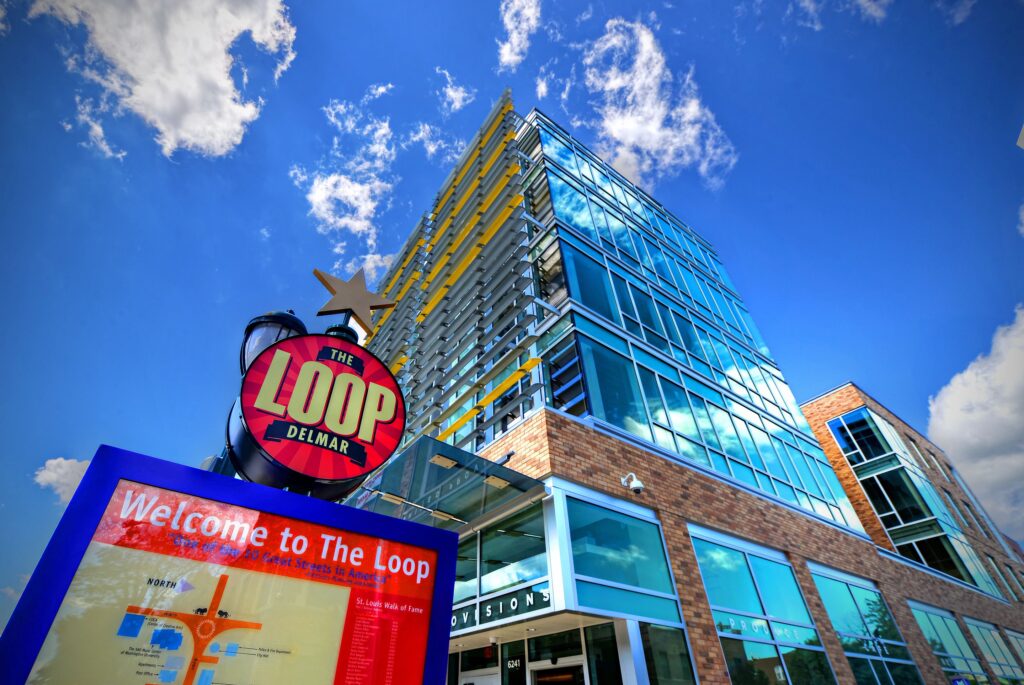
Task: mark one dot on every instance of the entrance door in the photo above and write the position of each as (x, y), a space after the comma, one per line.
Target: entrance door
(494, 679)
(566, 675)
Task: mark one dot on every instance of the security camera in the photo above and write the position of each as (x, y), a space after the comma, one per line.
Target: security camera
(493, 640)
(633, 483)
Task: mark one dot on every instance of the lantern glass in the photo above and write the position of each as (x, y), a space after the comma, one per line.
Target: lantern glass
(262, 337)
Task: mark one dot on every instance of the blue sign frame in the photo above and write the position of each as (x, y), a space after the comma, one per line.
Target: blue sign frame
(30, 623)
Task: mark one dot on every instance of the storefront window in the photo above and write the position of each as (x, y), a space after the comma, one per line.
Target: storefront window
(602, 654)
(866, 629)
(478, 659)
(513, 663)
(453, 669)
(996, 652)
(555, 646)
(943, 633)
(666, 654)
(513, 551)
(616, 547)
(465, 570)
(766, 632)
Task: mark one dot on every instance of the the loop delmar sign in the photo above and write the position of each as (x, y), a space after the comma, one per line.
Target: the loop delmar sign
(161, 574)
(316, 414)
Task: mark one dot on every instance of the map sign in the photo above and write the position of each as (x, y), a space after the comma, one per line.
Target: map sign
(179, 588)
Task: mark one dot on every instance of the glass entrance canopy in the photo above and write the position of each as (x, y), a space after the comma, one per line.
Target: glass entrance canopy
(440, 485)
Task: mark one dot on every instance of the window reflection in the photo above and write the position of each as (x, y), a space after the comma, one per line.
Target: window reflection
(865, 626)
(513, 552)
(465, 570)
(612, 546)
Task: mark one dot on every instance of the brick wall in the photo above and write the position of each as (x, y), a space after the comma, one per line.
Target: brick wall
(551, 443)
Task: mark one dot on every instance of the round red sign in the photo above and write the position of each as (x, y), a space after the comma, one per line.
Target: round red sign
(322, 407)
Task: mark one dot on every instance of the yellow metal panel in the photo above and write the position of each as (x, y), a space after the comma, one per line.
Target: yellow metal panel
(494, 394)
(405, 263)
(484, 206)
(464, 264)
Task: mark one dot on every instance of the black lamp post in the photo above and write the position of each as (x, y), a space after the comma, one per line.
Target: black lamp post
(260, 333)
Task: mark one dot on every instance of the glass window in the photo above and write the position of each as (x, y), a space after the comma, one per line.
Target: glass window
(613, 389)
(1017, 642)
(555, 646)
(867, 631)
(477, 659)
(465, 570)
(938, 553)
(571, 206)
(994, 648)
(903, 495)
(513, 663)
(558, 151)
(679, 410)
(620, 234)
(754, 663)
(865, 433)
(667, 655)
(948, 643)
(746, 591)
(619, 600)
(588, 282)
(513, 551)
(602, 654)
(806, 666)
(618, 548)
(783, 600)
(727, 578)
(453, 669)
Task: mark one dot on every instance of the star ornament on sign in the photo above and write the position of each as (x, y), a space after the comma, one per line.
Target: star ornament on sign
(351, 296)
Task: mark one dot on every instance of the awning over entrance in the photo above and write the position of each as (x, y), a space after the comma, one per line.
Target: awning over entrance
(439, 485)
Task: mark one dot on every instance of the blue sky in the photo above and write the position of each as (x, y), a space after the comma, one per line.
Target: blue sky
(165, 175)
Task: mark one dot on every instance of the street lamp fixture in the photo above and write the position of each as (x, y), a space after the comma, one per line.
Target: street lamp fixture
(264, 331)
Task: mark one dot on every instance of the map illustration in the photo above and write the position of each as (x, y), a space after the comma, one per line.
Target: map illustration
(174, 621)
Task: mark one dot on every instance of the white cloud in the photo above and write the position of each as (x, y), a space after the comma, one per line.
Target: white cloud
(875, 10)
(341, 202)
(169, 62)
(265, 234)
(1020, 220)
(4, 26)
(10, 593)
(435, 143)
(374, 264)
(650, 125)
(453, 96)
(586, 14)
(87, 116)
(976, 419)
(807, 13)
(62, 475)
(375, 91)
(521, 19)
(542, 86)
(956, 11)
(349, 189)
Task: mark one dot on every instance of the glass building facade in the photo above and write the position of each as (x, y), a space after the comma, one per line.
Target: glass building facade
(623, 315)
(544, 282)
